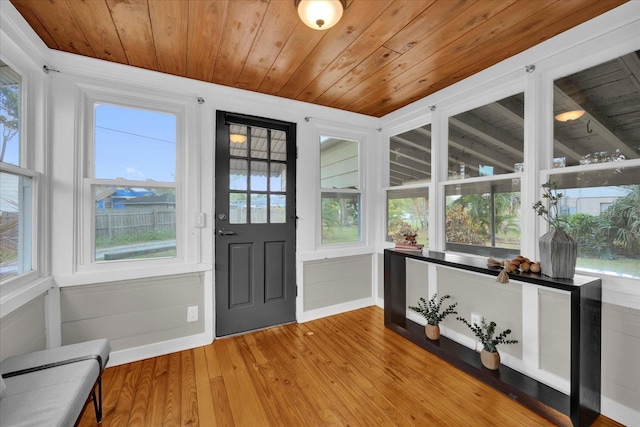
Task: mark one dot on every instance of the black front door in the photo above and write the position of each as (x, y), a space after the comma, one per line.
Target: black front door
(255, 223)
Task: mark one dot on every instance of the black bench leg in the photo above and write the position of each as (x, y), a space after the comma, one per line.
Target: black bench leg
(97, 403)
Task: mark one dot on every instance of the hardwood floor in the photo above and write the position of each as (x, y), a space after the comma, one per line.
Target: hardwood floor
(344, 370)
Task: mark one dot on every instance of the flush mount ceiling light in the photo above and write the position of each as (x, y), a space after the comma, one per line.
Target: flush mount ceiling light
(320, 14)
(237, 138)
(567, 116)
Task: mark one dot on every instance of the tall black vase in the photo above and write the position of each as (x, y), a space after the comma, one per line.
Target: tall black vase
(558, 253)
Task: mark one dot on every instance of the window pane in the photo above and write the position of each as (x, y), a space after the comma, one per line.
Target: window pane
(259, 143)
(237, 208)
(339, 163)
(340, 218)
(258, 208)
(410, 157)
(278, 181)
(259, 176)
(278, 206)
(408, 209)
(488, 140)
(238, 140)
(483, 218)
(134, 144)
(596, 113)
(601, 210)
(238, 174)
(15, 225)
(140, 223)
(10, 112)
(278, 145)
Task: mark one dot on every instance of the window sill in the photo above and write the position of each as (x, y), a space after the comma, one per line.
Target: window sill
(16, 298)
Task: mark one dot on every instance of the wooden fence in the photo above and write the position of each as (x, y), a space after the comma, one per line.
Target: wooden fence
(112, 223)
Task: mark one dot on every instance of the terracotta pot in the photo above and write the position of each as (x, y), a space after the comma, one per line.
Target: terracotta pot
(490, 360)
(432, 331)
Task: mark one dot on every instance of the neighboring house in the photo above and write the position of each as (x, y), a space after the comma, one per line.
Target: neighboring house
(590, 201)
(119, 198)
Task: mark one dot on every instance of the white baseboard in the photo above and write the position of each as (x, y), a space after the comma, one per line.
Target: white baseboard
(618, 412)
(135, 354)
(319, 313)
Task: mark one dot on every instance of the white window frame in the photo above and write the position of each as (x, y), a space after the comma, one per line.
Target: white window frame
(85, 241)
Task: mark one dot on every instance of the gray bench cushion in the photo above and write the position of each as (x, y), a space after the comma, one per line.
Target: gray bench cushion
(51, 397)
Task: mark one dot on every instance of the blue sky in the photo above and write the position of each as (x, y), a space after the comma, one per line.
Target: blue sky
(134, 144)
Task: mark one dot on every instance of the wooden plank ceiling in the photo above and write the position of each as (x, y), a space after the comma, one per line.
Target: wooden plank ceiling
(381, 56)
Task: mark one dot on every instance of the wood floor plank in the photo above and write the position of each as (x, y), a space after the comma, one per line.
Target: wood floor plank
(343, 370)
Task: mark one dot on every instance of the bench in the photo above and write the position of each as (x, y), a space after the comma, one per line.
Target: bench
(52, 387)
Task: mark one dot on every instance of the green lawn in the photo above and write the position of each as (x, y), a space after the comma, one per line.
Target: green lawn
(344, 234)
(626, 266)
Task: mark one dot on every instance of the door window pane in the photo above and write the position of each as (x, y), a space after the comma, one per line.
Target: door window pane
(483, 218)
(237, 208)
(10, 112)
(238, 140)
(339, 167)
(15, 225)
(134, 223)
(259, 176)
(277, 206)
(596, 113)
(488, 140)
(238, 174)
(278, 145)
(340, 218)
(258, 208)
(134, 144)
(408, 209)
(278, 180)
(259, 143)
(410, 157)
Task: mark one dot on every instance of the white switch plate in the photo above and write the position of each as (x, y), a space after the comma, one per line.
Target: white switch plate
(192, 313)
(475, 318)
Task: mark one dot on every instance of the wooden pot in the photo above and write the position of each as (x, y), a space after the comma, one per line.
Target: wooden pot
(432, 331)
(490, 360)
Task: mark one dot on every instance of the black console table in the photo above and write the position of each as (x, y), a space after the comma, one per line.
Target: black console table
(581, 405)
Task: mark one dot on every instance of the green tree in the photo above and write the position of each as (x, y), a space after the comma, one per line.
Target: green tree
(623, 219)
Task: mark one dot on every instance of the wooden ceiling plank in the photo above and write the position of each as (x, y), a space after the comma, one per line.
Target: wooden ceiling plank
(206, 21)
(361, 72)
(251, 76)
(356, 19)
(392, 20)
(57, 20)
(95, 22)
(382, 83)
(244, 18)
(280, 22)
(32, 19)
(169, 20)
(537, 28)
(134, 28)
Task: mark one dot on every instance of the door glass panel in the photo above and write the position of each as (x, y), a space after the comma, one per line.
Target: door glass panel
(278, 180)
(238, 140)
(259, 176)
(237, 174)
(237, 208)
(259, 143)
(277, 206)
(258, 208)
(278, 145)
(487, 140)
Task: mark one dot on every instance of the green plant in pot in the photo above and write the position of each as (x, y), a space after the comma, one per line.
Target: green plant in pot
(430, 310)
(486, 334)
(558, 250)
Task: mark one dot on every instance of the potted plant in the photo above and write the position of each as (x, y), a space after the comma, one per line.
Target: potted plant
(558, 250)
(431, 311)
(485, 332)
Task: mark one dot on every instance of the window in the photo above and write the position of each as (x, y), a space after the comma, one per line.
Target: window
(488, 140)
(483, 218)
(133, 183)
(410, 157)
(16, 182)
(596, 133)
(340, 190)
(408, 208)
